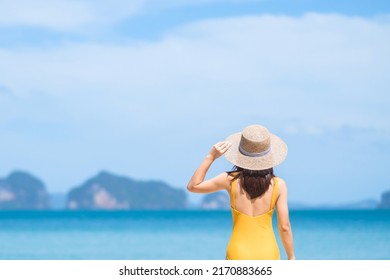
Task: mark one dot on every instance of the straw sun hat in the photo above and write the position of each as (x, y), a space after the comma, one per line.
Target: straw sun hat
(255, 148)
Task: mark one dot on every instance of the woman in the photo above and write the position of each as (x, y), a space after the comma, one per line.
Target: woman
(254, 192)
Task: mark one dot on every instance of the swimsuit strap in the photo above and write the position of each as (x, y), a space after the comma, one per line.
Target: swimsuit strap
(274, 192)
(233, 193)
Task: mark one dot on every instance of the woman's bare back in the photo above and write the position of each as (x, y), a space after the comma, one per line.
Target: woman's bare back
(252, 207)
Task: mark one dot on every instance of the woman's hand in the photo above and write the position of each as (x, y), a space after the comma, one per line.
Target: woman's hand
(218, 150)
(197, 184)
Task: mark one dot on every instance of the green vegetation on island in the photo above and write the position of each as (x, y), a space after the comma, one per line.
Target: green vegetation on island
(113, 192)
(22, 191)
(385, 201)
(216, 201)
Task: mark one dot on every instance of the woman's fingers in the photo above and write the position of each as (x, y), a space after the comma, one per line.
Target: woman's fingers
(225, 147)
(222, 147)
(219, 149)
(222, 144)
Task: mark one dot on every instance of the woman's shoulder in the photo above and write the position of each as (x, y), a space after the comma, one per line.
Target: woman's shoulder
(281, 184)
(223, 180)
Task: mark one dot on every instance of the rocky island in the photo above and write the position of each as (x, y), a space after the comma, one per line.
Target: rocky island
(107, 191)
(385, 200)
(216, 201)
(22, 191)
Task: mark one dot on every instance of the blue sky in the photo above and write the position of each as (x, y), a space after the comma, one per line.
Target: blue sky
(145, 88)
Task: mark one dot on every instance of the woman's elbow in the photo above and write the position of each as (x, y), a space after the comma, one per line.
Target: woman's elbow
(191, 188)
(285, 227)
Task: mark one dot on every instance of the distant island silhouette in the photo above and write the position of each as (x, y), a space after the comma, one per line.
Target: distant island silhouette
(107, 191)
(21, 190)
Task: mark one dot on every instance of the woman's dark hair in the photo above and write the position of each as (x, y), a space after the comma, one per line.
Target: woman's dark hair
(254, 182)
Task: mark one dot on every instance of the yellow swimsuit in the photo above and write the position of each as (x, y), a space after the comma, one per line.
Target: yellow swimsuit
(253, 237)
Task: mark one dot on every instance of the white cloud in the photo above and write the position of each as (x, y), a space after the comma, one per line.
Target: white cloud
(308, 75)
(329, 68)
(294, 129)
(56, 14)
(83, 16)
(5, 90)
(66, 15)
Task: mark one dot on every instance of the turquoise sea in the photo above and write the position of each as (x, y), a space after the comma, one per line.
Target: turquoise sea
(183, 235)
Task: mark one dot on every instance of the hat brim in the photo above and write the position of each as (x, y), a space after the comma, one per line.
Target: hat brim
(276, 155)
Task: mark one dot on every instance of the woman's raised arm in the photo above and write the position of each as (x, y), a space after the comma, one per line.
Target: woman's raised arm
(197, 184)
